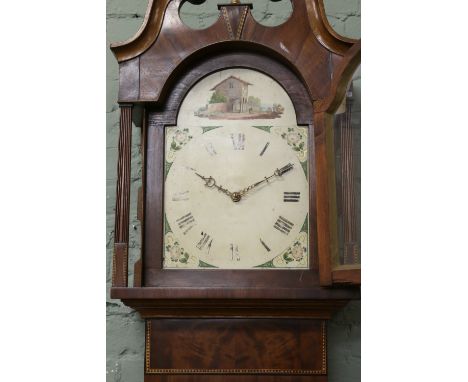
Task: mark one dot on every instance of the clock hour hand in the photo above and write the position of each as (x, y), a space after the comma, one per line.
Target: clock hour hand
(211, 182)
(278, 172)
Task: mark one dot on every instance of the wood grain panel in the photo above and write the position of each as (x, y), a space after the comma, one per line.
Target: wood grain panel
(235, 346)
(153, 228)
(129, 80)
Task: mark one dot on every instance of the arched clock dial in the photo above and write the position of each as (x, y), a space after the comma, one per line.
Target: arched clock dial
(236, 195)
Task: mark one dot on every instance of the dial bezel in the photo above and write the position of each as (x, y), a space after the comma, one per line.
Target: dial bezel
(158, 118)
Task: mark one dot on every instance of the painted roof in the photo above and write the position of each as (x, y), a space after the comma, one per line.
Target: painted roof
(236, 78)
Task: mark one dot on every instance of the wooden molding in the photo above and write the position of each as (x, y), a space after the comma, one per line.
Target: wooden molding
(342, 75)
(347, 275)
(146, 35)
(322, 29)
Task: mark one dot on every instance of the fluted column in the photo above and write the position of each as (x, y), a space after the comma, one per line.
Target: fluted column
(351, 248)
(122, 209)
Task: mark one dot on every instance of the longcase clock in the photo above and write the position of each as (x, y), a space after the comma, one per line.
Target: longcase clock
(242, 204)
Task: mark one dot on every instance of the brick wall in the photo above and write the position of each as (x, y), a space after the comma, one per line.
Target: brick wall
(125, 330)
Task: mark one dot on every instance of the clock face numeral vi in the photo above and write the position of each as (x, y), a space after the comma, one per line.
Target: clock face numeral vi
(283, 225)
(238, 141)
(186, 222)
(291, 196)
(234, 252)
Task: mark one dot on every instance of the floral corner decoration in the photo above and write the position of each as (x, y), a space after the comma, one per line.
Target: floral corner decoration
(295, 253)
(176, 253)
(296, 256)
(180, 139)
(296, 138)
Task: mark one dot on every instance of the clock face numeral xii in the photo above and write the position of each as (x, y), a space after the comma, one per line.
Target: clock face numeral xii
(238, 141)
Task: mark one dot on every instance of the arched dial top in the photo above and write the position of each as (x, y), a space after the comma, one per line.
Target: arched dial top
(236, 189)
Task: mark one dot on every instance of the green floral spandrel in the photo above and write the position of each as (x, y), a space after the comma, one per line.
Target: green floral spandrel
(177, 253)
(180, 138)
(295, 253)
(295, 139)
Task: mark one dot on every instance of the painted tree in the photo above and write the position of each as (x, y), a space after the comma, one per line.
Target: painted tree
(217, 97)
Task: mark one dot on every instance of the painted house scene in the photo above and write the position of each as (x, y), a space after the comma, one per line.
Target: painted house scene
(231, 100)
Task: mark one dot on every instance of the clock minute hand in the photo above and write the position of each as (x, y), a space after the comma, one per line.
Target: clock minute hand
(278, 172)
(284, 169)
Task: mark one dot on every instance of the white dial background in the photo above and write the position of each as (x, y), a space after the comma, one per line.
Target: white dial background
(235, 229)
(203, 142)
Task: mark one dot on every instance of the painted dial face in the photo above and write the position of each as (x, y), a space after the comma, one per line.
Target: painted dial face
(236, 196)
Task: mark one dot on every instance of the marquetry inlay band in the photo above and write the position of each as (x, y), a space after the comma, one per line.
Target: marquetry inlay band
(150, 370)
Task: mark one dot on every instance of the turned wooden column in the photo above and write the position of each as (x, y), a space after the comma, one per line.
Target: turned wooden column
(122, 208)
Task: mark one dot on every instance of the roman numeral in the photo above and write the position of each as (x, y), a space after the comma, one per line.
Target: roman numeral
(205, 242)
(179, 196)
(234, 252)
(210, 149)
(266, 246)
(264, 149)
(291, 196)
(186, 222)
(283, 225)
(238, 141)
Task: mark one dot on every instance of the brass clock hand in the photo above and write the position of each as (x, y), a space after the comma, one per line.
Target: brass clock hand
(278, 172)
(237, 196)
(211, 182)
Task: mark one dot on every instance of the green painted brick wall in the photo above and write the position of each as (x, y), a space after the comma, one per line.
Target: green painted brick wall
(125, 330)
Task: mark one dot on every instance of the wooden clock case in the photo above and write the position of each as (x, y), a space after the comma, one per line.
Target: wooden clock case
(236, 325)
